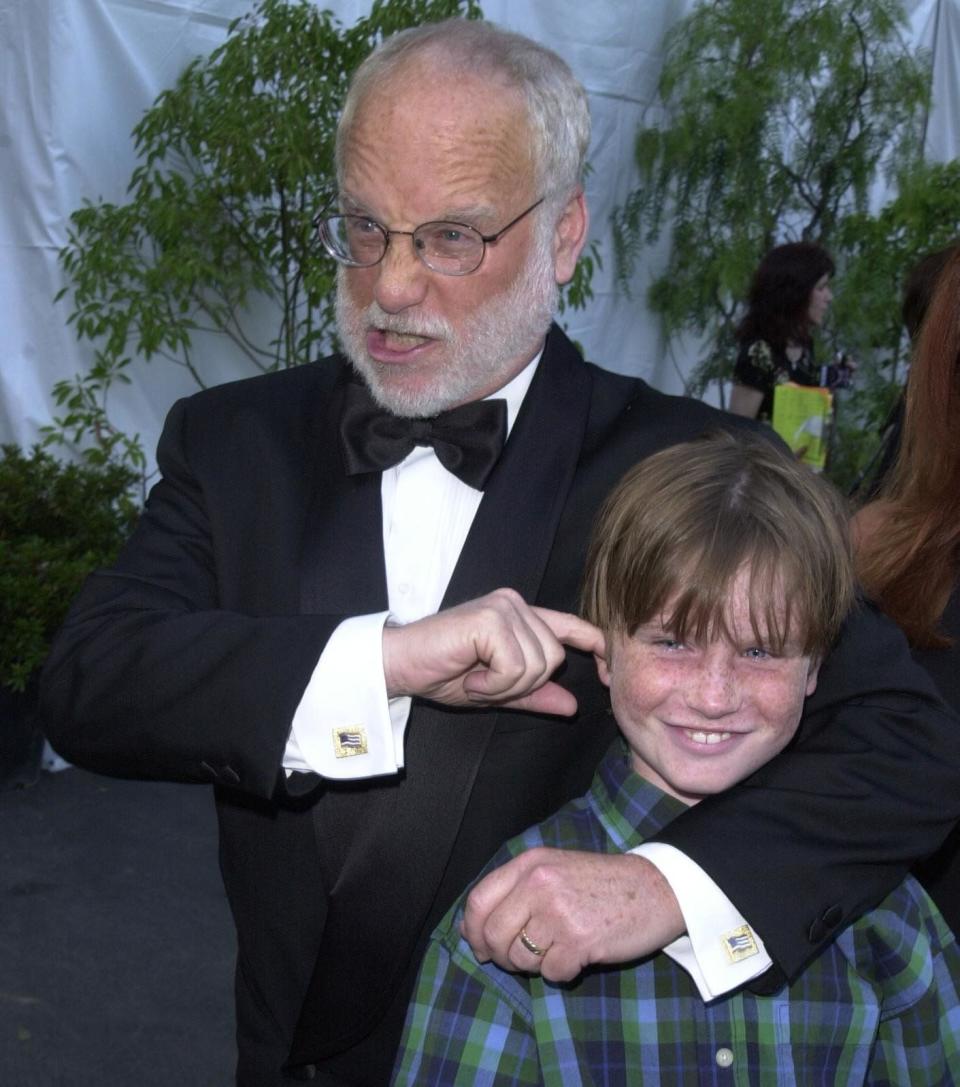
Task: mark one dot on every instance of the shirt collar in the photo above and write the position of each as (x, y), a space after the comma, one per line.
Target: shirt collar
(516, 389)
(630, 808)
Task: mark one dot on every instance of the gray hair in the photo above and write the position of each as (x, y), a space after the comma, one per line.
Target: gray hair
(555, 99)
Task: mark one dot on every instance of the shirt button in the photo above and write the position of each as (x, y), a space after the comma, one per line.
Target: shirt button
(724, 1057)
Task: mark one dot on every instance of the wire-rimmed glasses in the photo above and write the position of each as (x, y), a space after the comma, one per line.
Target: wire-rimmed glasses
(452, 249)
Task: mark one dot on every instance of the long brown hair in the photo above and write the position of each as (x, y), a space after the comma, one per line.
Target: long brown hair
(907, 554)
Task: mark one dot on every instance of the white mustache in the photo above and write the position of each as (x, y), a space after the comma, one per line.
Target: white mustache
(406, 324)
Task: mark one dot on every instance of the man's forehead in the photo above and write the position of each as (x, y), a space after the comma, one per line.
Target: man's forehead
(450, 110)
(419, 80)
(453, 211)
(436, 157)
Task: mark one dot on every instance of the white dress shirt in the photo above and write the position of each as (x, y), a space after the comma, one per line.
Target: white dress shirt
(346, 727)
(427, 514)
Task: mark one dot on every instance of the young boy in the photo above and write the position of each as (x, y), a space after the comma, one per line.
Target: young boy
(719, 573)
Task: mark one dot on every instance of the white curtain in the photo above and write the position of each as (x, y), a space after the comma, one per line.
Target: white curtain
(76, 76)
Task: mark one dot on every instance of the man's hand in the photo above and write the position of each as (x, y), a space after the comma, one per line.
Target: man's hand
(497, 650)
(579, 908)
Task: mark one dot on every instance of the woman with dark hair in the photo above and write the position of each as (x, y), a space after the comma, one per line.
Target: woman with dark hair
(908, 538)
(789, 297)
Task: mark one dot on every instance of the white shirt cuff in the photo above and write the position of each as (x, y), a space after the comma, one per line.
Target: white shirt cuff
(720, 951)
(345, 726)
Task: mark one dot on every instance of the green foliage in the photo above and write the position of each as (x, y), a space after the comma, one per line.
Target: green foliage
(779, 115)
(86, 423)
(58, 522)
(877, 253)
(235, 161)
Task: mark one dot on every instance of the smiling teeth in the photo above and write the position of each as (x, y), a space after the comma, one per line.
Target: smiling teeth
(708, 737)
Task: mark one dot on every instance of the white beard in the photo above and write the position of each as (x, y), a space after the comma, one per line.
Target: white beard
(492, 345)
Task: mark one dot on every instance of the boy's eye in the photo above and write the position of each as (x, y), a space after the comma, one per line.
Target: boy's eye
(757, 653)
(668, 643)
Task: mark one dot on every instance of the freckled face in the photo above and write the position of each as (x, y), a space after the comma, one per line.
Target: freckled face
(423, 148)
(700, 718)
(820, 298)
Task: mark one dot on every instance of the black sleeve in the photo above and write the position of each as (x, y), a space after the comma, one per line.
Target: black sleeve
(755, 367)
(156, 673)
(825, 830)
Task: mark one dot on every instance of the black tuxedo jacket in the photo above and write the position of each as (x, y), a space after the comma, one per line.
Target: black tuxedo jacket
(187, 659)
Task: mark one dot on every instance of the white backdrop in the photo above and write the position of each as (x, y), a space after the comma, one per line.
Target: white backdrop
(76, 76)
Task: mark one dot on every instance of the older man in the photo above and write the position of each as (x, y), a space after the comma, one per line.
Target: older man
(342, 594)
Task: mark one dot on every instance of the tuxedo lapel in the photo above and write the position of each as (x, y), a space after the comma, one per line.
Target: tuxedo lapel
(342, 566)
(512, 534)
(403, 844)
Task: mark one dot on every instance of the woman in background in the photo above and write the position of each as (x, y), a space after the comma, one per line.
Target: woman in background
(789, 297)
(907, 539)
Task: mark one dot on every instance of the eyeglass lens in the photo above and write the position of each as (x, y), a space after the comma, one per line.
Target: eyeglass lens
(451, 248)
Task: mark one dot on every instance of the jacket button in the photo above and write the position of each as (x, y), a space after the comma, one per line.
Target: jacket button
(825, 923)
(724, 1057)
(833, 916)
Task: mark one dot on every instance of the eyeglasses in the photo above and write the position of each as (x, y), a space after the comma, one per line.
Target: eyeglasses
(452, 249)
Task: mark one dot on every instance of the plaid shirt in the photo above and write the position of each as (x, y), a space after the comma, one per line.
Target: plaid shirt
(878, 1006)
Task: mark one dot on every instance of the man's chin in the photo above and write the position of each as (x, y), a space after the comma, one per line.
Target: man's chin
(402, 394)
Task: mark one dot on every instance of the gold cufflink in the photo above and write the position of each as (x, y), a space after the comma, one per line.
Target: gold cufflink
(349, 741)
(740, 944)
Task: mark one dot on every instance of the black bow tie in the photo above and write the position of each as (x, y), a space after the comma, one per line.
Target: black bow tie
(467, 440)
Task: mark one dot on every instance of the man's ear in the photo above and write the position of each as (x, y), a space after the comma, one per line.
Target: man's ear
(570, 236)
(603, 669)
(812, 673)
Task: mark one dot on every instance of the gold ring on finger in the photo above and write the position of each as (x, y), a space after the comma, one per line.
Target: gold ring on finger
(533, 948)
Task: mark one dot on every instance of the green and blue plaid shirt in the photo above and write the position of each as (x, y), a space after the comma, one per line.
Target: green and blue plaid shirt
(879, 1006)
